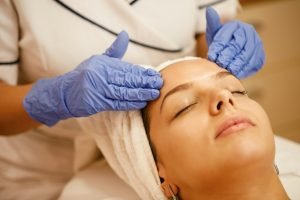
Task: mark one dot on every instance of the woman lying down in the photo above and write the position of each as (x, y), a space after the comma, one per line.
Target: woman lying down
(203, 138)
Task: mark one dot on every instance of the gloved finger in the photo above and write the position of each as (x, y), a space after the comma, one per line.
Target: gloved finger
(134, 81)
(213, 24)
(233, 48)
(119, 46)
(256, 62)
(223, 36)
(243, 58)
(131, 94)
(125, 67)
(138, 70)
(128, 105)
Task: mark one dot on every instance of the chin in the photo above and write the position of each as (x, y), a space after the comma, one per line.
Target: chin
(252, 146)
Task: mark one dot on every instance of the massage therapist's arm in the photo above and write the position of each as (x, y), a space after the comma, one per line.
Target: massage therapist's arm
(201, 45)
(13, 117)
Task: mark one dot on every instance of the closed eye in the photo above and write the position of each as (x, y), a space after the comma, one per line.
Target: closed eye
(244, 92)
(185, 109)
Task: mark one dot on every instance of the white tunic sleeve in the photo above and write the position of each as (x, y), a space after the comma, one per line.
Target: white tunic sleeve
(8, 43)
(227, 9)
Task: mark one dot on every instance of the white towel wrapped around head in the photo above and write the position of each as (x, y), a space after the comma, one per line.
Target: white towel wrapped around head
(121, 137)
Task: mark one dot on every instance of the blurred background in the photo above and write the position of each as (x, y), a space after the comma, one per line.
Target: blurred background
(277, 86)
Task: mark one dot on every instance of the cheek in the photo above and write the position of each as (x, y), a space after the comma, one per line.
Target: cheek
(188, 148)
(259, 115)
(265, 127)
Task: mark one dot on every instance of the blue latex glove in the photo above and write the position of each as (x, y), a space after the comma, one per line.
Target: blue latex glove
(100, 83)
(234, 46)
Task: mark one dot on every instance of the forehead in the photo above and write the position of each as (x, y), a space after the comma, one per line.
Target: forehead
(186, 71)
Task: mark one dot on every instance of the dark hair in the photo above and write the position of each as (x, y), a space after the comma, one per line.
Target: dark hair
(146, 121)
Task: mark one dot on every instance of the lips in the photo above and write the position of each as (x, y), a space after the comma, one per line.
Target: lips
(233, 125)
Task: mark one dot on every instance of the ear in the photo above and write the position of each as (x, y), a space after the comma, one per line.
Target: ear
(168, 187)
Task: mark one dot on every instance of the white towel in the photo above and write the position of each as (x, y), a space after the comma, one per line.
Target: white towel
(121, 137)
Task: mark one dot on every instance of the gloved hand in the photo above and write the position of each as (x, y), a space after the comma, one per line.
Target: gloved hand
(234, 46)
(100, 83)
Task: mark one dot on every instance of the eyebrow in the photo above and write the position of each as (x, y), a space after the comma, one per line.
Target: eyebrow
(188, 85)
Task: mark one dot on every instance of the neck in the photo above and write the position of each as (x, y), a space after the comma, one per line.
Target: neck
(248, 186)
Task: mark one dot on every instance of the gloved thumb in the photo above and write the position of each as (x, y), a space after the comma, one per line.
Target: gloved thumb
(213, 24)
(118, 48)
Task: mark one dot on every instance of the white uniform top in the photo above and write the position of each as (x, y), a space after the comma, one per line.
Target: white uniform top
(46, 38)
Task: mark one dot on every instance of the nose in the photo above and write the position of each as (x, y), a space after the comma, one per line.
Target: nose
(221, 100)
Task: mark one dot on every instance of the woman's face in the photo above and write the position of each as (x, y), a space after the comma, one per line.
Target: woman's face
(205, 128)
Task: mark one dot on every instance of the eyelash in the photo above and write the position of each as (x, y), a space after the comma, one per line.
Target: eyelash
(244, 92)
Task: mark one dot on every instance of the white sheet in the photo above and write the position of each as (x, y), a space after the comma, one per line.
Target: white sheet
(288, 161)
(98, 181)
